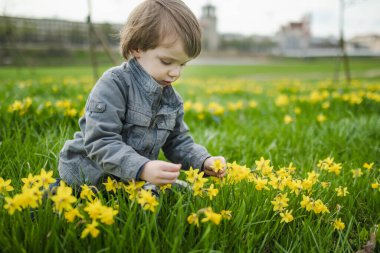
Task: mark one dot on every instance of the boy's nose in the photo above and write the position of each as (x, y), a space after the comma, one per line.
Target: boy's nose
(175, 72)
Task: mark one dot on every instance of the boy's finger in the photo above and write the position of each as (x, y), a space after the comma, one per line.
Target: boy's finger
(171, 167)
(169, 175)
(166, 181)
(210, 172)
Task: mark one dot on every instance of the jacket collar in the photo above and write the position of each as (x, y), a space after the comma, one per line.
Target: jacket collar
(143, 78)
(148, 84)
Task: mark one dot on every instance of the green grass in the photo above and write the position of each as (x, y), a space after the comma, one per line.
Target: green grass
(271, 69)
(350, 134)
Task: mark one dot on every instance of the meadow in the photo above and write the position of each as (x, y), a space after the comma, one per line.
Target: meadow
(303, 153)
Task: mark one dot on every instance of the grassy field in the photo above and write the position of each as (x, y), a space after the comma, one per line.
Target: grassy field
(303, 174)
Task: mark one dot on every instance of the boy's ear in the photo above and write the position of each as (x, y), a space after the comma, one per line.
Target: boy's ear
(136, 53)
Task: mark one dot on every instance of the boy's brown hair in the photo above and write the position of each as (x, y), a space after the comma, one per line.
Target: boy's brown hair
(154, 20)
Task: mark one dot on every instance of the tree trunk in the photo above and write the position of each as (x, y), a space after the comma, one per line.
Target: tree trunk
(342, 44)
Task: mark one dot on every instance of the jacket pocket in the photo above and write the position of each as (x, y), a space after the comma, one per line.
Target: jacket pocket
(166, 121)
(165, 125)
(99, 107)
(136, 129)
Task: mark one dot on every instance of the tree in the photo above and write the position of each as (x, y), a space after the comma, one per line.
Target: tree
(342, 44)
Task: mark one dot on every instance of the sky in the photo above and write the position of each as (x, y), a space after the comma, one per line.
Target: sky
(246, 17)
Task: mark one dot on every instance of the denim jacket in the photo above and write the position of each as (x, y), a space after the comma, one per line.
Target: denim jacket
(128, 119)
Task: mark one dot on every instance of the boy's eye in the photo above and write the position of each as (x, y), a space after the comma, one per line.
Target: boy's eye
(165, 62)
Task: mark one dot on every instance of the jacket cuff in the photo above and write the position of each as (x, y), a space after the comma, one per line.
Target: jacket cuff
(140, 170)
(203, 163)
(200, 161)
(132, 167)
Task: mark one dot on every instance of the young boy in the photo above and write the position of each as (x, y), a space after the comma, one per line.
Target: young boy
(133, 111)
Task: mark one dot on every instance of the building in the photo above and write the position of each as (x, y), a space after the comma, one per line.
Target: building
(370, 42)
(50, 33)
(295, 36)
(208, 22)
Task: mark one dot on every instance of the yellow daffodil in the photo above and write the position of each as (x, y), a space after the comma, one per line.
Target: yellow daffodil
(313, 177)
(319, 207)
(278, 182)
(307, 202)
(46, 178)
(12, 204)
(164, 187)
(87, 193)
(30, 181)
(280, 202)
(63, 198)
(91, 229)
(338, 224)
(197, 188)
(282, 100)
(192, 175)
(16, 106)
(237, 173)
(326, 163)
(97, 211)
(307, 184)
(260, 183)
(5, 185)
(70, 215)
(288, 119)
(291, 168)
(335, 168)
(198, 107)
(107, 215)
(133, 188)
(252, 104)
(187, 106)
(215, 108)
(226, 214)
(217, 166)
(147, 200)
(201, 116)
(111, 185)
(341, 192)
(212, 216)
(266, 170)
(368, 166)
(94, 209)
(212, 192)
(282, 172)
(375, 185)
(325, 184)
(356, 173)
(287, 216)
(262, 163)
(71, 112)
(193, 219)
(295, 186)
(31, 197)
(20, 106)
(321, 118)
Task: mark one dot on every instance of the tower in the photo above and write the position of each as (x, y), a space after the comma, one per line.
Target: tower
(208, 20)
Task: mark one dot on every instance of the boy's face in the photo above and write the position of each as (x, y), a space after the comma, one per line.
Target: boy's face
(165, 62)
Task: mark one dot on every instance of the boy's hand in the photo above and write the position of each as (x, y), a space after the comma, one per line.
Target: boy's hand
(208, 166)
(160, 172)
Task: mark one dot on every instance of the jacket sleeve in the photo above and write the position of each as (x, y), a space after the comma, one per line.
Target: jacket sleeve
(181, 148)
(105, 114)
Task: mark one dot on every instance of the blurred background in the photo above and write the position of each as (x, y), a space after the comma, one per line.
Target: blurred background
(77, 32)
